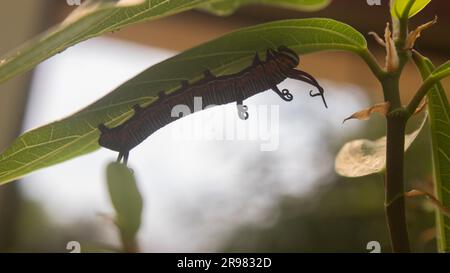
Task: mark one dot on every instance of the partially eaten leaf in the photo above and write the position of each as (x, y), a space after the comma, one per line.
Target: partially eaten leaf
(364, 157)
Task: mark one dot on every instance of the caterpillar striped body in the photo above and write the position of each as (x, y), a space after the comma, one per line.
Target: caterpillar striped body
(260, 76)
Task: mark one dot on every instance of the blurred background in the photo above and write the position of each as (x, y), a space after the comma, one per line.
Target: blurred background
(200, 193)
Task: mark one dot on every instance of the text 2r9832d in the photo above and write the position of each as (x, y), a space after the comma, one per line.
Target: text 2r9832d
(246, 262)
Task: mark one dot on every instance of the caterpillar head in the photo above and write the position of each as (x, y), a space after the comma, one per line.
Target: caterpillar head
(107, 139)
(289, 56)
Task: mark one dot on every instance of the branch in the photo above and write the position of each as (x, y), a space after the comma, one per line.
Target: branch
(373, 64)
(438, 74)
(403, 21)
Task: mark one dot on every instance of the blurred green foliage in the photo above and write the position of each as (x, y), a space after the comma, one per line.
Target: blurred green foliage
(127, 202)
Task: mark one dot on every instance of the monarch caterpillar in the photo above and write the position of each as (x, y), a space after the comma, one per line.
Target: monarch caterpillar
(258, 77)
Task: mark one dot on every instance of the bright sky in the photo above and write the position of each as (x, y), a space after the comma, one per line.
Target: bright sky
(196, 189)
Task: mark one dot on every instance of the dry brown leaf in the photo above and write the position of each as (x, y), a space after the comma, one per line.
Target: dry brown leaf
(434, 200)
(392, 61)
(381, 108)
(377, 38)
(421, 106)
(415, 34)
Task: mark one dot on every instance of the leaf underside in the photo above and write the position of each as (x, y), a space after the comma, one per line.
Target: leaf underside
(97, 17)
(77, 134)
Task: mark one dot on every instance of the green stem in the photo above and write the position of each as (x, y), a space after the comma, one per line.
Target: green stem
(396, 124)
(394, 180)
(420, 94)
(394, 186)
(403, 22)
(129, 243)
(395, 145)
(372, 62)
(423, 90)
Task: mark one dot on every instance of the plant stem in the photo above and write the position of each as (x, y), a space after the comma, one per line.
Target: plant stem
(395, 144)
(394, 186)
(403, 25)
(421, 93)
(424, 89)
(129, 244)
(372, 63)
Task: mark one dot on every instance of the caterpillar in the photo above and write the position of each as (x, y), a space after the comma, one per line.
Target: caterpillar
(260, 76)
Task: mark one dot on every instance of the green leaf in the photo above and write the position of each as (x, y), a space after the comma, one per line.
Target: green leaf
(95, 18)
(77, 134)
(127, 202)
(442, 71)
(363, 157)
(226, 7)
(91, 19)
(439, 110)
(400, 6)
